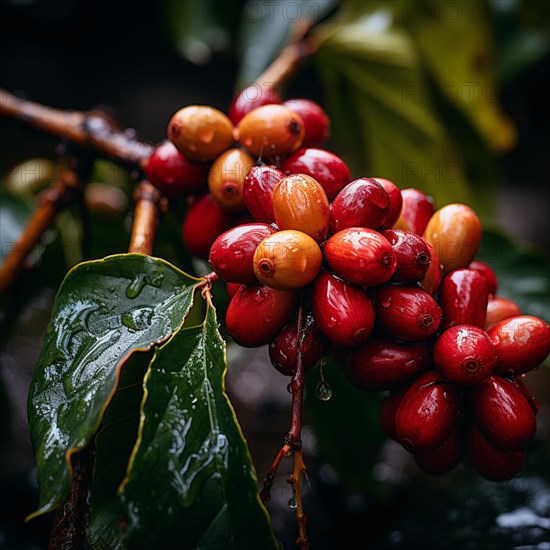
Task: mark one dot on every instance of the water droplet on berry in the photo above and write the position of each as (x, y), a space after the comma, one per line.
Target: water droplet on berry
(323, 390)
(259, 296)
(386, 302)
(205, 134)
(239, 254)
(293, 503)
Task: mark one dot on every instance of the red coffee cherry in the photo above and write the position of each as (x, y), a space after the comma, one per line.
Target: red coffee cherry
(327, 168)
(432, 280)
(535, 405)
(226, 178)
(406, 312)
(387, 412)
(232, 253)
(200, 132)
(416, 211)
(427, 413)
(271, 130)
(342, 311)
(204, 220)
(503, 414)
(232, 289)
(412, 255)
(173, 174)
(396, 202)
(499, 309)
(361, 203)
(455, 232)
(488, 274)
(300, 203)
(442, 459)
(463, 297)
(361, 256)
(283, 351)
(256, 314)
(489, 462)
(383, 364)
(315, 119)
(522, 343)
(287, 259)
(249, 98)
(465, 355)
(258, 188)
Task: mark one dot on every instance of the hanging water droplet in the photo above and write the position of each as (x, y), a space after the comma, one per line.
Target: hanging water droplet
(323, 390)
(135, 287)
(293, 503)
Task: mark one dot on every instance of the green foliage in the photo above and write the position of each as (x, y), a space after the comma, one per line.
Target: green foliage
(170, 457)
(104, 310)
(190, 473)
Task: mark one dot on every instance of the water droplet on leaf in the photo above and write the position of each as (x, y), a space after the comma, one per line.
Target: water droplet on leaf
(135, 287)
(138, 318)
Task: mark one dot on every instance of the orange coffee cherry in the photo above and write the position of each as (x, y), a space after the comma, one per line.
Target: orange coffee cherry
(271, 130)
(299, 202)
(455, 232)
(226, 178)
(287, 259)
(200, 132)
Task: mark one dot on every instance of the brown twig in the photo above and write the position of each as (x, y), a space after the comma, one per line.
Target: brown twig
(63, 191)
(291, 57)
(148, 205)
(68, 530)
(85, 129)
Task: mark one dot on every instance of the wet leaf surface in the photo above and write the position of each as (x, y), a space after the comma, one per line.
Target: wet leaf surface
(104, 310)
(191, 481)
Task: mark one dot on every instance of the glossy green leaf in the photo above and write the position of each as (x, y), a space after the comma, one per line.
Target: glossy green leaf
(455, 41)
(372, 72)
(265, 29)
(347, 428)
(113, 446)
(191, 482)
(522, 272)
(104, 310)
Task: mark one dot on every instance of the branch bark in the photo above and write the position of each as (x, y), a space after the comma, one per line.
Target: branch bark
(148, 204)
(91, 130)
(57, 197)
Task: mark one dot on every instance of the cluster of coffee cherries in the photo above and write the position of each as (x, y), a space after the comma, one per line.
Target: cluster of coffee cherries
(386, 284)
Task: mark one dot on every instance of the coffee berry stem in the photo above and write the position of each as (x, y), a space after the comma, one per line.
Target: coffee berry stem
(293, 440)
(294, 479)
(206, 286)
